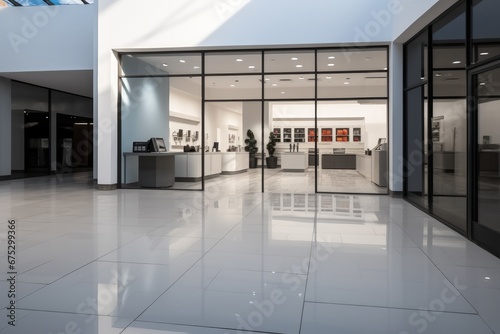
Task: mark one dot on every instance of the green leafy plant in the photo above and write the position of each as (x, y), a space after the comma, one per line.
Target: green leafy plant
(251, 143)
(271, 144)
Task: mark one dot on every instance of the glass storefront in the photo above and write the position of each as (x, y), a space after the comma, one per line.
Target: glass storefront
(326, 109)
(451, 152)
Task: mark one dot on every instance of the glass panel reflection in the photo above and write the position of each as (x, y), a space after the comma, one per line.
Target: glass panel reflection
(485, 32)
(352, 85)
(289, 61)
(243, 87)
(352, 59)
(488, 85)
(44, 3)
(231, 62)
(161, 64)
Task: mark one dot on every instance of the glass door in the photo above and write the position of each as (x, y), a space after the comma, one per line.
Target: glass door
(486, 115)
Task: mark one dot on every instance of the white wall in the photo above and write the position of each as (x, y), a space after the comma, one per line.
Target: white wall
(47, 38)
(221, 117)
(220, 23)
(145, 106)
(374, 115)
(5, 127)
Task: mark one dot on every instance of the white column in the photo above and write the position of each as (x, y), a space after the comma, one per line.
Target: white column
(5, 126)
(396, 117)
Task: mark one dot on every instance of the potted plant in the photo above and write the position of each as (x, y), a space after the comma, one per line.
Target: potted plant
(251, 148)
(271, 161)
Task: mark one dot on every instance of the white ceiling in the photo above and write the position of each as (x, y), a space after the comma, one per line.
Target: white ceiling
(75, 82)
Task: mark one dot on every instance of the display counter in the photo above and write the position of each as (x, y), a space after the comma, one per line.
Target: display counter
(338, 161)
(188, 166)
(364, 165)
(234, 162)
(156, 170)
(379, 168)
(294, 161)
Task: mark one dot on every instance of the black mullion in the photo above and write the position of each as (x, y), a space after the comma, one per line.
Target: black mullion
(119, 127)
(405, 123)
(471, 126)
(316, 134)
(262, 118)
(430, 115)
(85, 2)
(49, 107)
(203, 110)
(15, 3)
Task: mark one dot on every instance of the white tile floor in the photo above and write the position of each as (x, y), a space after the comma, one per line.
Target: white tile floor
(150, 262)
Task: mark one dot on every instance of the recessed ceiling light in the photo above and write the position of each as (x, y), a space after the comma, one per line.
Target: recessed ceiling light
(301, 78)
(439, 75)
(295, 58)
(239, 59)
(251, 66)
(165, 65)
(328, 78)
(274, 85)
(331, 65)
(196, 67)
(331, 57)
(346, 83)
(282, 92)
(232, 85)
(457, 62)
(487, 278)
(482, 84)
(298, 66)
(385, 68)
(182, 60)
(484, 53)
(267, 79)
(422, 78)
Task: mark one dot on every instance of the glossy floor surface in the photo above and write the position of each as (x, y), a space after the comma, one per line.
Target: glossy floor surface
(150, 262)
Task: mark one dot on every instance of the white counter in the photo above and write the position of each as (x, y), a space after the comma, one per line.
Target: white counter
(188, 166)
(294, 161)
(364, 165)
(234, 162)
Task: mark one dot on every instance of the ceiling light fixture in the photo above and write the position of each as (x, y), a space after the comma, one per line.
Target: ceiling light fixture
(282, 92)
(295, 58)
(165, 65)
(251, 66)
(239, 59)
(301, 78)
(267, 79)
(232, 85)
(487, 278)
(346, 83)
(482, 84)
(328, 78)
(298, 66)
(457, 62)
(385, 68)
(274, 85)
(484, 53)
(196, 67)
(439, 75)
(182, 60)
(331, 65)
(331, 57)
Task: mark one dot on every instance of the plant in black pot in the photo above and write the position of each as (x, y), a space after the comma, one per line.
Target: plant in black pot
(271, 161)
(251, 148)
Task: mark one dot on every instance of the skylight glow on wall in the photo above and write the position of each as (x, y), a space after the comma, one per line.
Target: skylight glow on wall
(26, 3)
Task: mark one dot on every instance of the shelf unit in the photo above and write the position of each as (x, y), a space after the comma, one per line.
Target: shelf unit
(277, 134)
(326, 135)
(356, 135)
(299, 135)
(287, 135)
(311, 135)
(342, 134)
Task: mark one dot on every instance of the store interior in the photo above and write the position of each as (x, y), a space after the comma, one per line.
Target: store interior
(325, 108)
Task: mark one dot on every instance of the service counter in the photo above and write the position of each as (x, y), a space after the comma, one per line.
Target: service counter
(234, 162)
(188, 166)
(294, 161)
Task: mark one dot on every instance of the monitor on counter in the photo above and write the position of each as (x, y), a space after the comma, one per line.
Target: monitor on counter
(157, 145)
